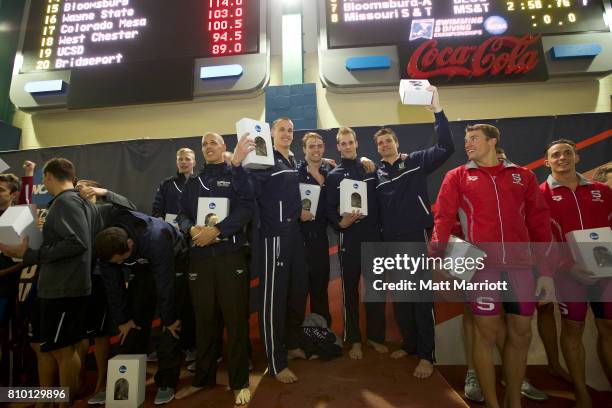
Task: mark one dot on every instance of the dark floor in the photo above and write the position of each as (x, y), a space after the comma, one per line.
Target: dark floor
(375, 381)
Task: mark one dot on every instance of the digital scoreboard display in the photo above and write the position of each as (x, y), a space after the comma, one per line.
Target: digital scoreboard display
(356, 23)
(74, 34)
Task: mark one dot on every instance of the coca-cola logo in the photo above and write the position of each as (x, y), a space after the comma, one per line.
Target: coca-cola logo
(502, 55)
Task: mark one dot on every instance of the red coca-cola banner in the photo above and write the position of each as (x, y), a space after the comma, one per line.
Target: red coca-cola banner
(500, 58)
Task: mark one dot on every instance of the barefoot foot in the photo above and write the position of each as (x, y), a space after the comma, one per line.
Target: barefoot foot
(424, 369)
(355, 352)
(286, 376)
(398, 354)
(242, 397)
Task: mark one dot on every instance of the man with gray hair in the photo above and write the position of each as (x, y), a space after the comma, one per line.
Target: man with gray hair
(218, 273)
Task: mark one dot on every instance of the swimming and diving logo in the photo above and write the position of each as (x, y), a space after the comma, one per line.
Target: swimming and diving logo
(495, 25)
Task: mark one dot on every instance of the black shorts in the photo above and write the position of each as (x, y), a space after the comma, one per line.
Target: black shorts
(62, 322)
(97, 309)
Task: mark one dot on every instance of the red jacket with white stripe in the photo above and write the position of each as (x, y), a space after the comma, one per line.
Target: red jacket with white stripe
(501, 214)
(590, 206)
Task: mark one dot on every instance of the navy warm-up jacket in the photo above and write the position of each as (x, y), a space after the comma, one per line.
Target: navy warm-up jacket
(402, 186)
(277, 190)
(154, 244)
(168, 195)
(219, 180)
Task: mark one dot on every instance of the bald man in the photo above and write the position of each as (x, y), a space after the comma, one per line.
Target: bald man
(219, 275)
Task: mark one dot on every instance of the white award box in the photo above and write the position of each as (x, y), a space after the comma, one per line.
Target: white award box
(125, 381)
(309, 194)
(171, 219)
(353, 196)
(592, 250)
(414, 92)
(17, 222)
(262, 156)
(457, 248)
(212, 210)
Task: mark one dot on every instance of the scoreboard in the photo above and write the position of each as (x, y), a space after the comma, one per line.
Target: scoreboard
(68, 34)
(354, 23)
(116, 52)
(403, 36)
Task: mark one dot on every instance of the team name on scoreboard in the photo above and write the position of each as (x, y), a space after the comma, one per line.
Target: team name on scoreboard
(84, 23)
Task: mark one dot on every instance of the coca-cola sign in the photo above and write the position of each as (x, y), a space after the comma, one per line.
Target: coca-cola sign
(497, 58)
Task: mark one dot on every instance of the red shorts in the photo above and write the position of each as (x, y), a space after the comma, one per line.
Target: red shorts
(519, 298)
(573, 298)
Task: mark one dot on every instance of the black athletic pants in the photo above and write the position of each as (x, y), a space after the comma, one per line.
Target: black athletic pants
(141, 293)
(283, 290)
(415, 319)
(317, 262)
(219, 288)
(349, 252)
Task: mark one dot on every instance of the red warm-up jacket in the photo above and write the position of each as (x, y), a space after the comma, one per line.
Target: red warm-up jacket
(590, 206)
(501, 214)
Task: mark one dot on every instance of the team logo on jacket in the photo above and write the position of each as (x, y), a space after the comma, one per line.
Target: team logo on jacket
(596, 195)
(472, 178)
(402, 165)
(516, 179)
(557, 198)
(222, 183)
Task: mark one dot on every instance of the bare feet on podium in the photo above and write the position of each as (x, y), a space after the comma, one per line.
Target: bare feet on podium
(355, 352)
(296, 353)
(187, 392)
(424, 369)
(379, 347)
(399, 354)
(286, 376)
(242, 397)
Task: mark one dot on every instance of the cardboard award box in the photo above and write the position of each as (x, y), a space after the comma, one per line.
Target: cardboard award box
(171, 219)
(457, 248)
(212, 210)
(309, 194)
(17, 222)
(125, 381)
(592, 249)
(263, 155)
(353, 196)
(414, 92)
